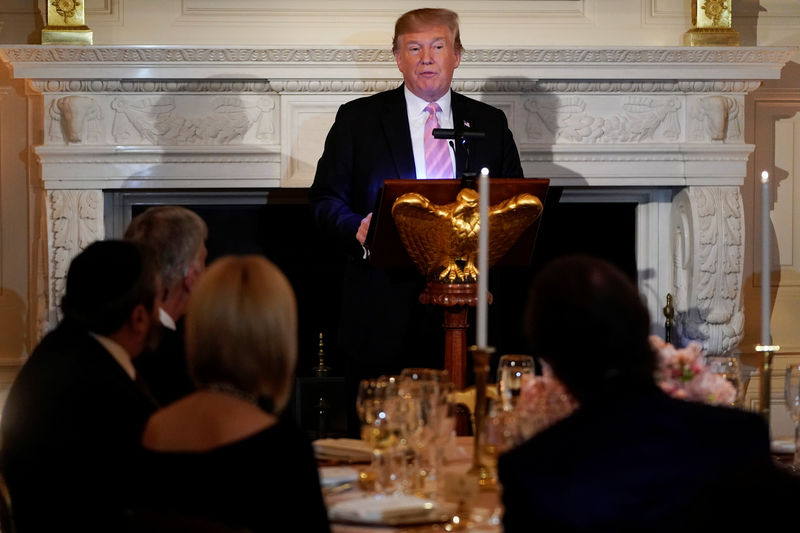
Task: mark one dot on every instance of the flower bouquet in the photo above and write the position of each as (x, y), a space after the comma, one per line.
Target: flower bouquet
(683, 374)
(543, 401)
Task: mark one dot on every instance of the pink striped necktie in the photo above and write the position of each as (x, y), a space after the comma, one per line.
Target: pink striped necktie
(437, 152)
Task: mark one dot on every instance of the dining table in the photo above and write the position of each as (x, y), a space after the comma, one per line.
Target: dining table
(480, 513)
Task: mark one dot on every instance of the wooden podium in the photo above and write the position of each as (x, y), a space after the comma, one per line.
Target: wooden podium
(455, 299)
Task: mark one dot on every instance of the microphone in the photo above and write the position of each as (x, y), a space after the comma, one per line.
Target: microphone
(463, 135)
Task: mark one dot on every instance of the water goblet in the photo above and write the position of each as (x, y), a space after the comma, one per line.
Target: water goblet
(381, 422)
(426, 391)
(792, 397)
(510, 372)
(728, 367)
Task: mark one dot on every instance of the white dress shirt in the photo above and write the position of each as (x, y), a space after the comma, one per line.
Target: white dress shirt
(119, 354)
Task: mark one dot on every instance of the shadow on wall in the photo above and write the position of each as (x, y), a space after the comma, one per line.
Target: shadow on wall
(745, 20)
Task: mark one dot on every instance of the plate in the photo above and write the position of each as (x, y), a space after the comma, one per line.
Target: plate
(331, 476)
(353, 450)
(390, 511)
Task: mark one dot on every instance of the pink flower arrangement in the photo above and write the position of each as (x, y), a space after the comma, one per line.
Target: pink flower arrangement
(683, 374)
(543, 401)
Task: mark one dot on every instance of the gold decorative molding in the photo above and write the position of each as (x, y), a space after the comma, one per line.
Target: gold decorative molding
(66, 23)
(712, 24)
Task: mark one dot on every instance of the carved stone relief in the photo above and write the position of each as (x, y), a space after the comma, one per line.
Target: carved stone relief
(708, 259)
(76, 220)
(75, 119)
(161, 121)
(716, 118)
(568, 120)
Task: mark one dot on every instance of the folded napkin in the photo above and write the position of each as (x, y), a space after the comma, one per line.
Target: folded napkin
(331, 476)
(386, 510)
(353, 450)
(783, 446)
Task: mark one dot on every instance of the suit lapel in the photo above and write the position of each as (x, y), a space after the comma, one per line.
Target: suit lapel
(460, 121)
(395, 126)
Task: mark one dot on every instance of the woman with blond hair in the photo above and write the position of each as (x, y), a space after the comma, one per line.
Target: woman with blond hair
(221, 454)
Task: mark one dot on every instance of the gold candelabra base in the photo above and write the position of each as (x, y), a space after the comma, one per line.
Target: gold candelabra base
(61, 35)
(711, 37)
(483, 474)
(765, 394)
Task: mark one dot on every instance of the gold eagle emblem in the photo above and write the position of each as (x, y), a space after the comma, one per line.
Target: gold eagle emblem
(442, 240)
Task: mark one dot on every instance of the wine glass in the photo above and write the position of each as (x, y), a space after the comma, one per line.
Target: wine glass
(426, 393)
(510, 372)
(792, 397)
(728, 367)
(379, 408)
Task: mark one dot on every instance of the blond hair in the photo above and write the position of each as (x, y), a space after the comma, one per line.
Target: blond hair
(241, 328)
(420, 19)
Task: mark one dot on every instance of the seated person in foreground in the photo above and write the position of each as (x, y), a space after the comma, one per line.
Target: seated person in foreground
(74, 416)
(630, 458)
(221, 454)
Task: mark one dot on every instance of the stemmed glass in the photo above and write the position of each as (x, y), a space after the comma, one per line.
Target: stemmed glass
(426, 393)
(510, 372)
(728, 367)
(379, 408)
(792, 396)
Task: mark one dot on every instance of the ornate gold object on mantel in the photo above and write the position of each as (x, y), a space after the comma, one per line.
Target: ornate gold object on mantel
(712, 21)
(66, 23)
(442, 240)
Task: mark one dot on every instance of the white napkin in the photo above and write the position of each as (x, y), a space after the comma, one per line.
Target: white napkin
(331, 476)
(343, 449)
(384, 510)
(783, 446)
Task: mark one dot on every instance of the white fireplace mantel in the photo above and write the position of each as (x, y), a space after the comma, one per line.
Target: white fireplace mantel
(662, 127)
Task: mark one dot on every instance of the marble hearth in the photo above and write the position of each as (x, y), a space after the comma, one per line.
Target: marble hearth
(659, 127)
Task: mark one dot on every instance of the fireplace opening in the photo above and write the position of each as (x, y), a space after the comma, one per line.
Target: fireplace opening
(277, 224)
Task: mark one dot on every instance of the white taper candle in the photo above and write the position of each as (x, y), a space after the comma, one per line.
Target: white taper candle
(765, 260)
(483, 259)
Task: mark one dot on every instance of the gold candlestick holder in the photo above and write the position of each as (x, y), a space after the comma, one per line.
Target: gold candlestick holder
(480, 361)
(712, 24)
(766, 378)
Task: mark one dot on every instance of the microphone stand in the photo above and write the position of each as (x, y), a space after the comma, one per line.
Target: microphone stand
(468, 176)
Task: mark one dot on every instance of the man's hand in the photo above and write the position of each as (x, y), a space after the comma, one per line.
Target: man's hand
(363, 228)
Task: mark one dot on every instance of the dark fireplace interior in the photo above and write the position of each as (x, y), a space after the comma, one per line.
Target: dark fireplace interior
(282, 230)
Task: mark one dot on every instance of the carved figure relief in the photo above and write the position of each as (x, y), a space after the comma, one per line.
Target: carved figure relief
(708, 251)
(566, 120)
(157, 121)
(75, 119)
(716, 118)
(76, 219)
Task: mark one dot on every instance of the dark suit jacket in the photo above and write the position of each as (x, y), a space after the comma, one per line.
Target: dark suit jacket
(369, 142)
(71, 430)
(164, 370)
(638, 462)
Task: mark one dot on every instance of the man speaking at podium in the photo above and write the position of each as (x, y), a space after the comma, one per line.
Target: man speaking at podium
(383, 327)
